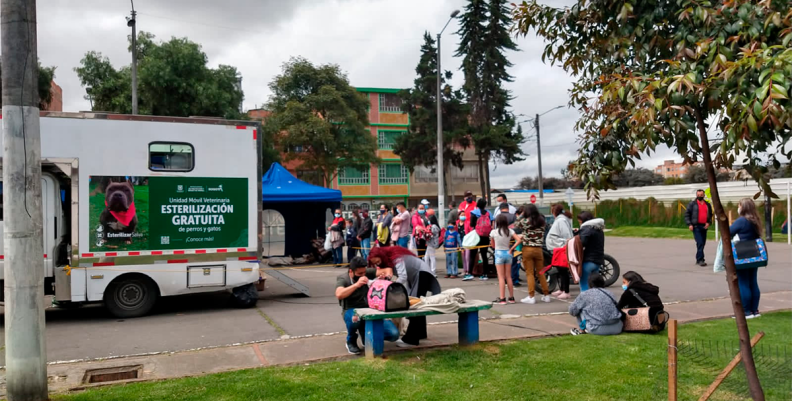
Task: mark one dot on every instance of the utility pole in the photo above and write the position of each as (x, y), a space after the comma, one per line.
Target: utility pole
(768, 209)
(26, 368)
(131, 23)
(439, 101)
(539, 156)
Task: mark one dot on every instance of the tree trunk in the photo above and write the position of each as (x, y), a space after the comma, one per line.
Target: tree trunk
(488, 194)
(482, 181)
(731, 271)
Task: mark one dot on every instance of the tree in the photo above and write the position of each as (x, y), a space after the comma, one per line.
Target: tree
(637, 177)
(322, 120)
(698, 174)
(549, 183)
(419, 147)
(173, 80)
(663, 72)
(484, 36)
(45, 77)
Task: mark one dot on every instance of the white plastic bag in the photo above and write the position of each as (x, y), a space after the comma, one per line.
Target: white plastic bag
(719, 266)
(471, 240)
(328, 245)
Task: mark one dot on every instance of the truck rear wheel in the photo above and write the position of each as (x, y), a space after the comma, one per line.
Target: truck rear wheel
(245, 296)
(131, 296)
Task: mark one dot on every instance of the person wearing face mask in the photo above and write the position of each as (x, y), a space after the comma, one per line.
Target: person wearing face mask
(465, 208)
(401, 226)
(351, 292)
(637, 292)
(384, 221)
(336, 232)
(698, 217)
(420, 223)
(364, 233)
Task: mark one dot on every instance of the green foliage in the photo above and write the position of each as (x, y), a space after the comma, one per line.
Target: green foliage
(673, 181)
(637, 177)
(315, 108)
(698, 174)
(45, 77)
(173, 80)
(660, 70)
(484, 37)
(651, 213)
(549, 183)
(419, 148)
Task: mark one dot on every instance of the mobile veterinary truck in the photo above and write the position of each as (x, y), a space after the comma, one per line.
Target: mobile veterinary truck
(141, 207)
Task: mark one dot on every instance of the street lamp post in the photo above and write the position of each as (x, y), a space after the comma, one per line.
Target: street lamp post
(440, 170)
(132, 22)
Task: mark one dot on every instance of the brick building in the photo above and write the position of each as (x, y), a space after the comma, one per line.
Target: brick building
(391, 181)
(672, 169)
(56, 104)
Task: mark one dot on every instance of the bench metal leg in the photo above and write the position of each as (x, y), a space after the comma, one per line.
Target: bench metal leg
(468, 328)
(375, 338)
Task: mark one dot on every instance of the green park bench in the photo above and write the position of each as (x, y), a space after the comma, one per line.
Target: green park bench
(468, 326)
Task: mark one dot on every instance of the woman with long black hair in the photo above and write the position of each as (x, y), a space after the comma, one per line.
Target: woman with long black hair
(481, 221)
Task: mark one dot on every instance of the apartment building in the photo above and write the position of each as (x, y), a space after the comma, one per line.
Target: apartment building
(390, 182)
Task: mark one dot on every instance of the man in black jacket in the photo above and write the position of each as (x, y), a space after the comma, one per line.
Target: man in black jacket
(698, 217)
(364, 233)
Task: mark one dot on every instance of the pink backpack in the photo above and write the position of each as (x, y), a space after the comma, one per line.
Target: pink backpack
(387, 296)
(484, 225)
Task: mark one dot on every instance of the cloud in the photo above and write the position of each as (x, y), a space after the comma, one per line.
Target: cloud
(377, 42)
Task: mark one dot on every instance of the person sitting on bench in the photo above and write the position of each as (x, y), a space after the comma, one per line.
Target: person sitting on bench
(414, 274)
(352, 291)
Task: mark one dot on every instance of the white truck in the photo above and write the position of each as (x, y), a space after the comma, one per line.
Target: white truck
(141, 207)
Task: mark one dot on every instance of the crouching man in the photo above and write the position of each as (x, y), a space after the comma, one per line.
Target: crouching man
(351, 291)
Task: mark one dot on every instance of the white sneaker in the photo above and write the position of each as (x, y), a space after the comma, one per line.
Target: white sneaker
(401, 344)
(528, 300)
(545, 298)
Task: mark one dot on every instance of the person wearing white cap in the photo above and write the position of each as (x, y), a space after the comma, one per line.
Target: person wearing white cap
(425, 202)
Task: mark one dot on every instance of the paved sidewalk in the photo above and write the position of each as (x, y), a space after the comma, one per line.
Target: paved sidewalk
(71, 375)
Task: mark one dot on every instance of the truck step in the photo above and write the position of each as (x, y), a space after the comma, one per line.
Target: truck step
(277, 274)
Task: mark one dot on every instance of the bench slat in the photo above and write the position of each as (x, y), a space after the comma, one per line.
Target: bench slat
(373, 314)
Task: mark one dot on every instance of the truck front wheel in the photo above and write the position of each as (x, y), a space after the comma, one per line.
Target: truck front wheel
(131, 296)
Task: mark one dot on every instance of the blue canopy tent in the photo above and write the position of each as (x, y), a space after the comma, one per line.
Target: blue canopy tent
(302, 205)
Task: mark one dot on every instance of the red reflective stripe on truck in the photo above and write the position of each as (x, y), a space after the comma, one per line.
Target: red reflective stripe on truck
(241, 126)
(134, 253)
(241, 249)
(103, 264)
(199, 251)
(222, 250)
(87, 255)
(248, 258)
(156, 252)
(2, 257)
(254, 135)
(178, 261)
(178, 252)
(107, 254)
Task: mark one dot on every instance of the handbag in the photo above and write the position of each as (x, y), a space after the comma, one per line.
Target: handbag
(637, 319)
(328, 243)
(471, 239)
(749, 254)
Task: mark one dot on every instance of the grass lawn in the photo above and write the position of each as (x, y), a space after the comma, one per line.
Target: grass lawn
(665, 232)
(624, 367)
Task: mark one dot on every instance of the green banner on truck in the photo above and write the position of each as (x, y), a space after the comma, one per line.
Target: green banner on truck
(163, 213)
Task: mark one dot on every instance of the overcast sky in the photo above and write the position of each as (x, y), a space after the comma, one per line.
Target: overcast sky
(377, 42)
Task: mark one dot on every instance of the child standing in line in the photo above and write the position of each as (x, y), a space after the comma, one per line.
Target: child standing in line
(351, 236)
(452, 243)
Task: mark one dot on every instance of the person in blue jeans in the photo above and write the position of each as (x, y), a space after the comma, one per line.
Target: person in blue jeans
(452, 243)
(749, 228)
(364, 234)
(352, 292)
(592, 237)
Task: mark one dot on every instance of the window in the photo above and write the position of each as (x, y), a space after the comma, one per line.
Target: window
(387, 139)
(390, 102)
(393, 174)
(468, 173)
(165, 156)
(425, 174)
(358, 175)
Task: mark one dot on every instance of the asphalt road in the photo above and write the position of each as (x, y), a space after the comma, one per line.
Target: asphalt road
(208, 320)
